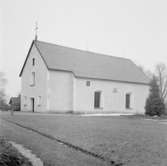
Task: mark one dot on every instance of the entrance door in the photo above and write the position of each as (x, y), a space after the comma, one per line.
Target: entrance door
(32, 104)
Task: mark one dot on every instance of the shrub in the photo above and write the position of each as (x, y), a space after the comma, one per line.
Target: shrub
(154, 103)
(9, 156)
(4, 107)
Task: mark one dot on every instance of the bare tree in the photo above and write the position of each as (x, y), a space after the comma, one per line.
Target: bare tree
(161, 74)
(2, 88)
(148, 73)
(2, 80)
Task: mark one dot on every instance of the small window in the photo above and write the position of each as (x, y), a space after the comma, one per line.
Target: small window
(127, 102)
(32, 79)
(33, 61)
(97, 97)
(25, 101)
(39, 100)
(115, 90)
(87, 83)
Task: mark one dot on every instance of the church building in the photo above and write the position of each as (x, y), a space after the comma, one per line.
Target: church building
(55, 78)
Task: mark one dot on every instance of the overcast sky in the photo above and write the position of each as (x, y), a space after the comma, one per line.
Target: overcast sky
(126, 28)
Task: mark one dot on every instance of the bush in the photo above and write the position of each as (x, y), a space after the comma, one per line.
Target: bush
(9, 156)
(5, 107)
(154, 103)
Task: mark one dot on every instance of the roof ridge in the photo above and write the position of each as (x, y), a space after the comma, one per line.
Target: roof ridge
(91, 52)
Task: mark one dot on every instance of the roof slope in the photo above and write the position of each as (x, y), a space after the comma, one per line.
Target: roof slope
(90, 65)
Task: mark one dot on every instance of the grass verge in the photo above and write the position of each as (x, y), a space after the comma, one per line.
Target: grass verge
(9, 156)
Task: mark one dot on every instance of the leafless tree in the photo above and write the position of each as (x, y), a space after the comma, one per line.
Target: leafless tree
(2, 80)
(161, 74)
(148, 73)
(2, 87)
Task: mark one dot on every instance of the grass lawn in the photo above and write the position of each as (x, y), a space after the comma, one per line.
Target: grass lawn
(131, 141)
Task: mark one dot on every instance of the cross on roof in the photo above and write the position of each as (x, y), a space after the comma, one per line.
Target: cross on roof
(36, 30)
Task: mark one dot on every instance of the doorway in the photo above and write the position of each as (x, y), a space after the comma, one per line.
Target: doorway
(32, 104)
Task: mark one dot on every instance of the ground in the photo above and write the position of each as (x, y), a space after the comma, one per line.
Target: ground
(9, 156)
(131, 141)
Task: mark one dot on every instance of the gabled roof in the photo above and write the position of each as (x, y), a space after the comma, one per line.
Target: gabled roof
(89, 64)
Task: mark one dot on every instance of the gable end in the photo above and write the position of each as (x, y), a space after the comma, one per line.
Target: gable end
(32, 44)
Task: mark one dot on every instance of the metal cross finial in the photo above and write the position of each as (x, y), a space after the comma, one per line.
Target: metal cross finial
(36, 30)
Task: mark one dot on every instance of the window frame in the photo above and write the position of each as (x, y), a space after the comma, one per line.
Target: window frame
(39, 101)
(32, 79)
(25, 101)
(99, 100)
(128, 100)
(87, 83)
(33, 61)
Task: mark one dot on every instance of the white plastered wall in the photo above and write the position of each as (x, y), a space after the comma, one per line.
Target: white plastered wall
(111, 101)
(28, 91)
(60, 91)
